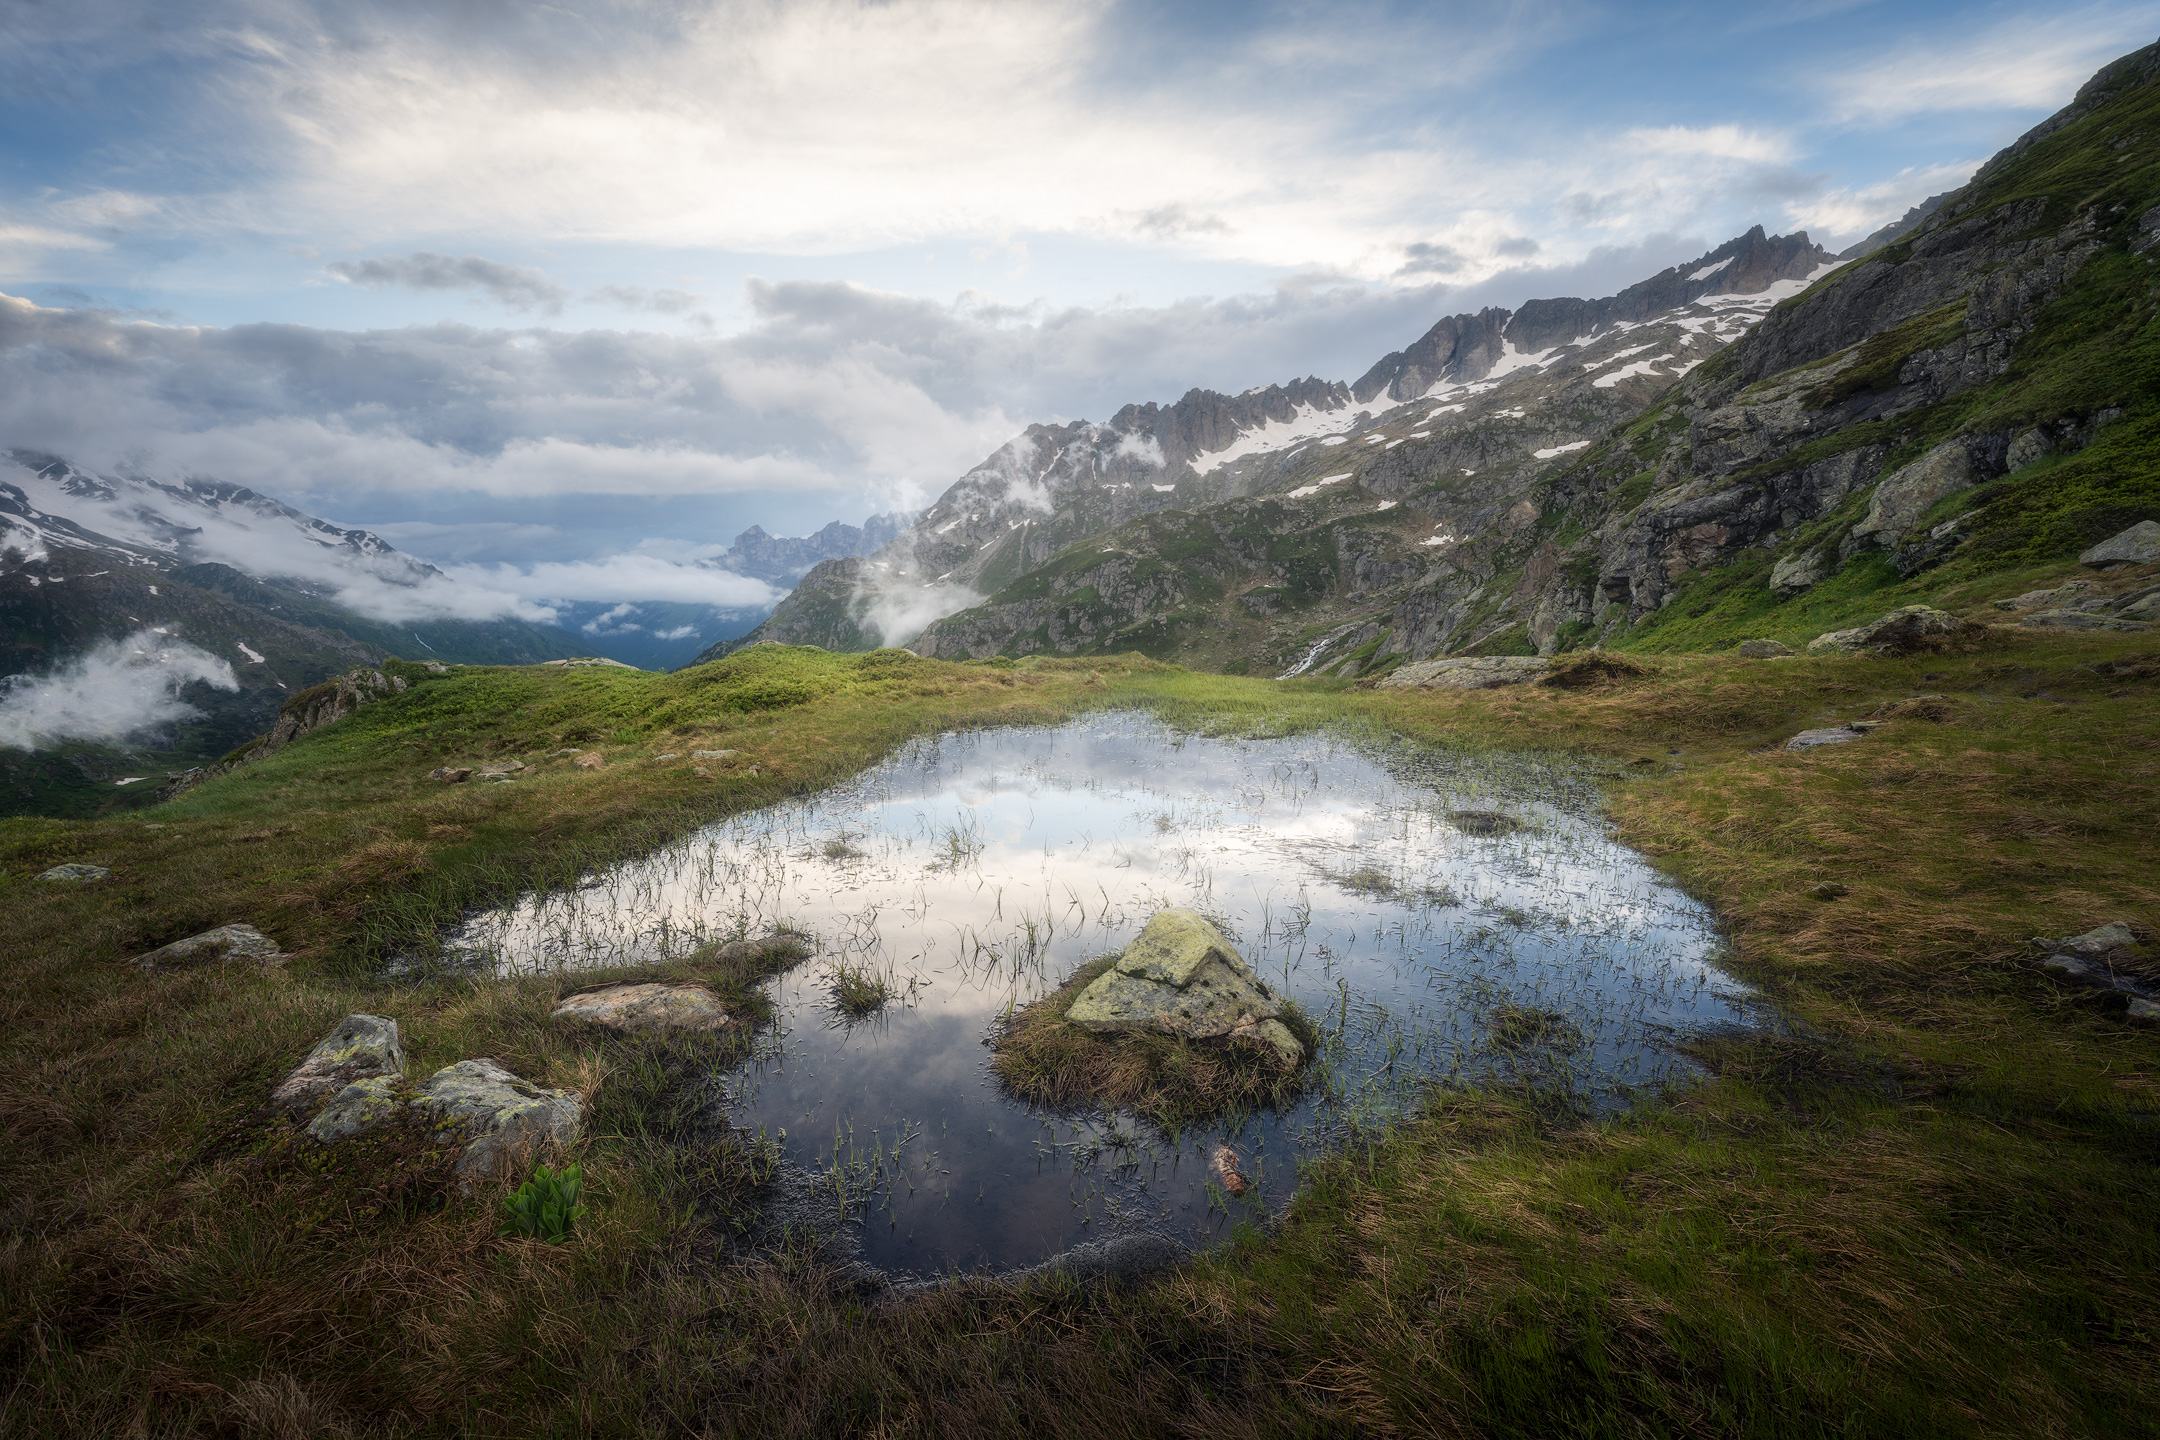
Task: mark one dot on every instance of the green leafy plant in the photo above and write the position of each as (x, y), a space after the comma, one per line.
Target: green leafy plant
(546, 1207)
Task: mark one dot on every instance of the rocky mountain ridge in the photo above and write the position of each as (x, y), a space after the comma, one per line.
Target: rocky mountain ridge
(1467, 399)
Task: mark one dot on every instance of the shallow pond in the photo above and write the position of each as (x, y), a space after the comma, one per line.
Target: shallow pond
(976, 870)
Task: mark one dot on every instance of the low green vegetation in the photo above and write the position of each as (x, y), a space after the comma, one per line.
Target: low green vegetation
(1920, 1205)
(546, 1207)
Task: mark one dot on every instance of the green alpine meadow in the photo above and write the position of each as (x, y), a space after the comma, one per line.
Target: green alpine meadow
(1601, 878)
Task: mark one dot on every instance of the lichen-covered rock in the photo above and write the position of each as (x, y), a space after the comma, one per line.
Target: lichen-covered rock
(1907, 493)
(1764, 649)
(361, 1047)
(75, 873)
(500, 770)
(2138, 545)
(1181, 977)
(227, 942)
(503, 1121)
(646, 1005)
(360, 1107)
(1903, 631)
(450, 774)
(1466, 672)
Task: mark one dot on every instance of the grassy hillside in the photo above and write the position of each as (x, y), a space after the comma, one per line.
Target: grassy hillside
(1921, 1208)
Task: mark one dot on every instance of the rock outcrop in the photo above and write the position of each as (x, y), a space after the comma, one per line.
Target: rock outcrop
(1468, 672)
(1181, 977)
(312, 709)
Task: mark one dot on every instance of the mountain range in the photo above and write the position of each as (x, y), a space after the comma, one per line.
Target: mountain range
(1766, 436)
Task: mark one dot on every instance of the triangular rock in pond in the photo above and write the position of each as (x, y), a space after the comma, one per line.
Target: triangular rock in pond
(1181, 977)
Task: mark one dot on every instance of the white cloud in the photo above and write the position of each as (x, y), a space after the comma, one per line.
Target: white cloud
(116, 689)
(1845, 214)
(1719, 142)
(639, 575)
(2033, 62)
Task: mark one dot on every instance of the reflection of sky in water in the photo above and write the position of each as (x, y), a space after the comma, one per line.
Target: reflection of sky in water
(977, 870)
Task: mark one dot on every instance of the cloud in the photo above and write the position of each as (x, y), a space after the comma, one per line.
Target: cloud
(2032, 62)
(1850, 212)
(899, 605)
(510, 285)
(679, 632)
(1718, 142)
(116, 689)
(639, 575)
(637, 297)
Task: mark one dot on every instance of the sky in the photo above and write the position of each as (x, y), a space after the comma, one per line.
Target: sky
(523, 286)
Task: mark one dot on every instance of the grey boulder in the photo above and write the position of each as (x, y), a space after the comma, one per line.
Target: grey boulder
(503, 1122)
(361, 1047)
(75, 873)
(1903, 631)
(646, 1005)
(1181, 977)
(362, 1106)
(2138, 545)
(227, 942)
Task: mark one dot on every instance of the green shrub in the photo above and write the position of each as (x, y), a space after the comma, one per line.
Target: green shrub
(546, 1207)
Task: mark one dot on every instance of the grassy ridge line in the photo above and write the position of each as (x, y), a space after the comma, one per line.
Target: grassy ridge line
(1929, 1214)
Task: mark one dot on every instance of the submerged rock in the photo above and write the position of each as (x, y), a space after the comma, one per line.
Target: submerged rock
(2138, 545)
(505, 1122)
(646, 1005)
(1224, 1162)
(1180, 977)
(75, 873)
(1466, 672)
(361, 1047)
(1901, 632)
(227, 942)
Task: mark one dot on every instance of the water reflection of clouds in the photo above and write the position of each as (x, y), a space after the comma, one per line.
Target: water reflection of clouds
(981, 868)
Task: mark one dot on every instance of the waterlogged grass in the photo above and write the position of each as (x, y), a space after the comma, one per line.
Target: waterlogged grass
(1922, 1207)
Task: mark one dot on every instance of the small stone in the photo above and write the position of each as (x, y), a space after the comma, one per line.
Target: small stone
(666, 756)
(1828, 735)
(75, 873)
(434, 667)
(361, 1047)
(646, 1005)
(588, 760)
(360, 1107)
(2055, 595)
(2105, 943)
(226, 942)
(714, 754)
(2138, 545)
(2078, 620)
(1224, 1162)
(1764, 649)
(504, 1121)
(2142, 1009)
(500, 770)
(1829, 890)
(450, 774)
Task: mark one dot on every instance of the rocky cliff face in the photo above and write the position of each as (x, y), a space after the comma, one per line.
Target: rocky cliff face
(1978, 393)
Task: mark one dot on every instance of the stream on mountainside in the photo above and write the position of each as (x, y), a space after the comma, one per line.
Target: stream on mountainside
(975, 870)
